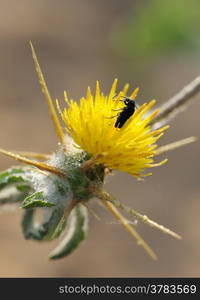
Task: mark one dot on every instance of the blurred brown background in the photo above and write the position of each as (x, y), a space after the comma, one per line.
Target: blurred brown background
(151, 44)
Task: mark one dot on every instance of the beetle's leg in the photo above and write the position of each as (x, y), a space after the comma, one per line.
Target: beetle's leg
(112, 117)
(118, 109)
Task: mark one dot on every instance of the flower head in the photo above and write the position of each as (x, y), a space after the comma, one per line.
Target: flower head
(91, 124)
(66, 180)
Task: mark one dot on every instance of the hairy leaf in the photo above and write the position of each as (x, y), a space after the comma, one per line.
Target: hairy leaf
(37, 199)
(76, 231)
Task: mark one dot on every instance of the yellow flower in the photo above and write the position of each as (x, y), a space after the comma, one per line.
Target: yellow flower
(91, 124)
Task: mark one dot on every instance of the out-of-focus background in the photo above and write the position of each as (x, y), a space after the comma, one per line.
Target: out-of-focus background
(151, 44)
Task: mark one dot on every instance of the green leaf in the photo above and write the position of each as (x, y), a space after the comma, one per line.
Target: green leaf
(36, 200)
(53, 200)
(11, 176)
(23, 188)
(45, 230)
(76, 231)
(13, 185)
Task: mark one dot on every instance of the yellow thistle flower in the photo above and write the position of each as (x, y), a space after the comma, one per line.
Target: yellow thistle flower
(66, 180)
(91, 125)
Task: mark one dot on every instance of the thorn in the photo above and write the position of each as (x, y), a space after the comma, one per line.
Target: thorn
(106, 201)
(130, 229)
(39, 165)
(91, 162)
(143, 218)
(47, 95)
(175, 145)
(91, 210)
(32, 154)
(66, 214)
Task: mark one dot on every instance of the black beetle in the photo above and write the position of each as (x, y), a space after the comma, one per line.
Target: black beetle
(126, 112)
